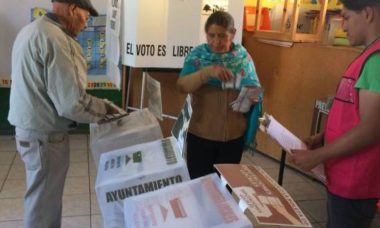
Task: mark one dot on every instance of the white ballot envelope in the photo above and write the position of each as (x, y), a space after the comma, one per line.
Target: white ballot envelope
(287, 140)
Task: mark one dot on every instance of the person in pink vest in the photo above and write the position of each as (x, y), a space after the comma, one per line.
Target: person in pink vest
(350, 145)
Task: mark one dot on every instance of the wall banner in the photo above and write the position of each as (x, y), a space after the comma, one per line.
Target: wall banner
(160, 35)
(113, 41)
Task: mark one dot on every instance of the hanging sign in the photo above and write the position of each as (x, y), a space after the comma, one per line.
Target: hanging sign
(113, 41)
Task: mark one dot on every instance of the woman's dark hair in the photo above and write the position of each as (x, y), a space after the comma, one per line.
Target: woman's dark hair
(360, 4)
(221, 18)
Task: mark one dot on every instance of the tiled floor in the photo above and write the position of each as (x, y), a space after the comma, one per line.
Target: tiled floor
(80, 208)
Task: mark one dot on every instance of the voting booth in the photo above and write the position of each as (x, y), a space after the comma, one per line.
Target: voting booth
(136, 170)
(203, 203)
(162, 33)
(136, 128)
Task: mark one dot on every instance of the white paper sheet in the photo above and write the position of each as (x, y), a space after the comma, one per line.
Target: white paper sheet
(289, 141)
(243, 102)
(283, 136)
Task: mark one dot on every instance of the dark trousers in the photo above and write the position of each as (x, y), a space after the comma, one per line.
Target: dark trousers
(350, 213)
(202, 154)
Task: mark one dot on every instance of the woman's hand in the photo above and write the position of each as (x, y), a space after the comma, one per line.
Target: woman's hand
(218, 72)
(256, 97)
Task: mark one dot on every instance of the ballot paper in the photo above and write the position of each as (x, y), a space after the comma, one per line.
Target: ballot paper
(112, 117)
(287, 141)
(234, 83)
(243, 101)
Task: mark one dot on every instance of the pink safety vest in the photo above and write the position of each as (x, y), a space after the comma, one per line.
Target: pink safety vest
(356, 176)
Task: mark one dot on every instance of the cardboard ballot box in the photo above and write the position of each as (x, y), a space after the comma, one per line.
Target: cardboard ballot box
(138, 127)
(136, 170)
(202, 202)
(264, 201)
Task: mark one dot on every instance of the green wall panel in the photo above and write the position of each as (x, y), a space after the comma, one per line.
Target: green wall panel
(6, 128)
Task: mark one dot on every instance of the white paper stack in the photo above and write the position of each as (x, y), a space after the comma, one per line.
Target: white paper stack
(136, 170)
(138, 127)
(203, 202)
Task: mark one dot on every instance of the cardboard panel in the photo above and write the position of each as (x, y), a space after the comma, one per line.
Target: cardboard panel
(264, 201)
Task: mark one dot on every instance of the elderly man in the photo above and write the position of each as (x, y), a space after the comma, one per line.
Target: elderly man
(47, 99)
(352, 151)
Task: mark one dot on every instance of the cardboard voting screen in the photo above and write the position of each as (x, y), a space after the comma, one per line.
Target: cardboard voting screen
(136, 170)
(153, 90)
(264, 201)
(162, 34)
(181, 126)
(203, 203)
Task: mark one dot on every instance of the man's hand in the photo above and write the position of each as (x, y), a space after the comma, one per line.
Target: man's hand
(305, 159)
(111, 108)
(314, 142)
